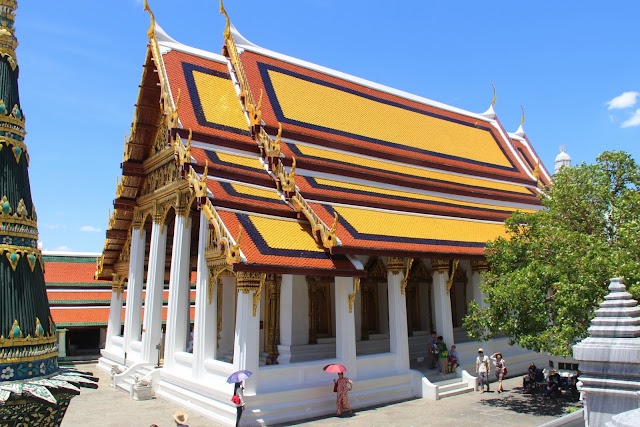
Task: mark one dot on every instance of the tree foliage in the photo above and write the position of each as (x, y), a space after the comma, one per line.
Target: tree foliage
(550, 274)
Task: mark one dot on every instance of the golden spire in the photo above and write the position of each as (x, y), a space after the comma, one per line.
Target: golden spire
(227, 28)
(522, 119)
(8, 40)
(493, 101)
(152, 25)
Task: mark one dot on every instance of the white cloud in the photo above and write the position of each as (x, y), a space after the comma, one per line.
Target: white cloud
(626, 100)
(62, 248)
(89, 228)
(632, 121)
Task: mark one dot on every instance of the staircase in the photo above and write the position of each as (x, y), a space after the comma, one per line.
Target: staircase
(125, 381)
(452, 387)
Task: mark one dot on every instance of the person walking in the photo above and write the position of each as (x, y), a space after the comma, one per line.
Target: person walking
(342, 386)
(238, 399)
(501, 369)
(443, 355)
(482, 369)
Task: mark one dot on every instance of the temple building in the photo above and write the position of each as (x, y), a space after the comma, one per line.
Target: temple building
(326, 218)
(34, 390)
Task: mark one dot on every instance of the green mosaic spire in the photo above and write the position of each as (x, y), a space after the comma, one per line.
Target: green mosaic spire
(28, 344)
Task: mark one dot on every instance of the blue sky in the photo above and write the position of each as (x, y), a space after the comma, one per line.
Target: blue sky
(574, 66)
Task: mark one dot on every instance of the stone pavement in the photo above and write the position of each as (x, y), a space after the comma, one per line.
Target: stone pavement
(106, 407)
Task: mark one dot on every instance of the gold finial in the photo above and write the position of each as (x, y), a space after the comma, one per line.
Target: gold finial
(493, 101)
(227, 28)
(522, 119)
(152, 25)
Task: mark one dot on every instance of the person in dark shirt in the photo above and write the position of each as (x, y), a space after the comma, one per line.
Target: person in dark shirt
(553, 382)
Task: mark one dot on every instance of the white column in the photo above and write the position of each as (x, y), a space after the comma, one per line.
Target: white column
(133, 309)
(62, 342)
(345, 326)
(205, 328)
(229, 301)
(477, 268)
(152, 326)
(247, 340)
(286, 319)
(114, 324)
(398, 332)
(442, 301)
(179, 298)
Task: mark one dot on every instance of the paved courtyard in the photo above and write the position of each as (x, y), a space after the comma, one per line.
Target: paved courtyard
(106, 407)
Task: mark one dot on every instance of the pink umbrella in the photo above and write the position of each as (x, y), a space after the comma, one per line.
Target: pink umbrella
(335, 368)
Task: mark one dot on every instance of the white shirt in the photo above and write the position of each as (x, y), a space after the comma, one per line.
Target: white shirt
(482, 365)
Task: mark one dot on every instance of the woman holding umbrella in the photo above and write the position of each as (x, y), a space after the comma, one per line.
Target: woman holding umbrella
(238, 399)
(342, 386)
(238, 391)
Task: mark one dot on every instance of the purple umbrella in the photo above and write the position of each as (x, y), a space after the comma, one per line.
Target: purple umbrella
(239, 376)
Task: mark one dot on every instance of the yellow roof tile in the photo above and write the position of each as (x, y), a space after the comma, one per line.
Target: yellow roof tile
(403, 225)
(328, 107)
(219, 100)
(285, 234)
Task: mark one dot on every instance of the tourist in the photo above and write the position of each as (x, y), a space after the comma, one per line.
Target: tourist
(482, 369)
(553, 383)
(432, 350)
(529, 380)
(442, 355)
(181, 419)
(238, 399)
(453, 359)
(342, 386)
(501, 369)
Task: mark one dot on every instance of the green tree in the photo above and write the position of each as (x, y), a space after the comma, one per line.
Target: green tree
(552, 271)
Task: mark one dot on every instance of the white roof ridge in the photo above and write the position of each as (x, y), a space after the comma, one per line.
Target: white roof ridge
(168, 43)
(243, 44)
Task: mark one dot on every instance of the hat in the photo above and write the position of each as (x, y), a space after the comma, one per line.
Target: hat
(480, 350)
(180, 417)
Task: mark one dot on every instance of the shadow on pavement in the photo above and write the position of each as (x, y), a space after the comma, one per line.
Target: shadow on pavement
(517, 400)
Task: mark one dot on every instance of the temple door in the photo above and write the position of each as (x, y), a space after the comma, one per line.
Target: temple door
(370, 323)
(319, 289)
(458, 294)
(413, 307)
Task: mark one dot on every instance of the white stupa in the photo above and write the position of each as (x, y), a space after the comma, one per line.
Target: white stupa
(562, 159)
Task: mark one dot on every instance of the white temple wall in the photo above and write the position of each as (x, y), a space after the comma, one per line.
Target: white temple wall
(300, 313)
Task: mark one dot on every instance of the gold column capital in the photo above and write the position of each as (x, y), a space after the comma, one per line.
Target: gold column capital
(440, 265)
(479, 265)
(352, 296)
(247, 282)
(395, 265)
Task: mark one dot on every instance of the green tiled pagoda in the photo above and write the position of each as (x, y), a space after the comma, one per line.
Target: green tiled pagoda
(34, 391)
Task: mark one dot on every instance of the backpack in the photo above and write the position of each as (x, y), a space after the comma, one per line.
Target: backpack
(235, 399)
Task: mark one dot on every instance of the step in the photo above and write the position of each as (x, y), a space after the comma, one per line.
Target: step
(453, 390)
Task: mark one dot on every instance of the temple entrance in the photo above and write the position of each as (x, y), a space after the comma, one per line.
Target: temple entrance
(458, 294)
(370, 323)
(418, 297)
(319, 308)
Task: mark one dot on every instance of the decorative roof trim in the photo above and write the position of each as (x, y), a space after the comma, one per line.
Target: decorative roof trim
(525, 141)
(167, 44)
